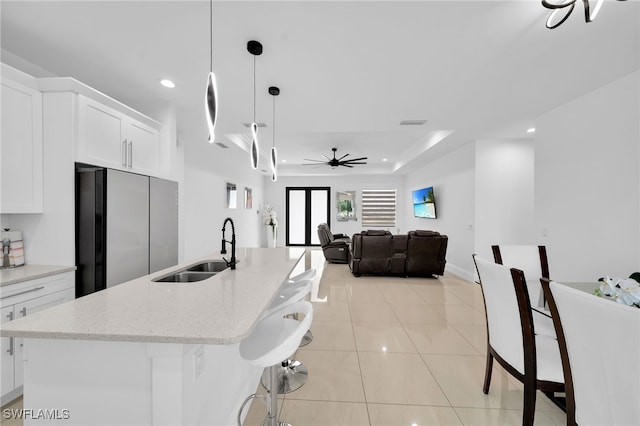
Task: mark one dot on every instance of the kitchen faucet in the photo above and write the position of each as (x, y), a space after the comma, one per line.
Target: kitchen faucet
(6, 248)
(232, 262)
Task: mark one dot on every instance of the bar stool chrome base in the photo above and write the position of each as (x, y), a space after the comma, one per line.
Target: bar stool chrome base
(291, 376)
(307, 338)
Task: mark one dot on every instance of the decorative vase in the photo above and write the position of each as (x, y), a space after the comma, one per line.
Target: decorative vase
(272, 236)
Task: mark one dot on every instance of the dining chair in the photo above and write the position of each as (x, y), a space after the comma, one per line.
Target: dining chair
(511, 340)
(532, 260)
(599, 343)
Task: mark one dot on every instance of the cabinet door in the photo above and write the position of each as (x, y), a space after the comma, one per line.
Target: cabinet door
(101, 141)
(143, 153)
(7, 356)
(31, 307)
(21, 170)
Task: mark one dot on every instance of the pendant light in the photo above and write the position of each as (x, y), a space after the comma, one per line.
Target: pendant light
(255, 48)
(556, 18)
(211, 95)
(274, 91)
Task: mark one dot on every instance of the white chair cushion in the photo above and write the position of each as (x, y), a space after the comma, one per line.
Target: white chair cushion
(543, 325)
(548, 362)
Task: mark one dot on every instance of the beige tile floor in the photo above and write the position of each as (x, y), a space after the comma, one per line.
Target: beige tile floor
(393, 351)
(401, 351)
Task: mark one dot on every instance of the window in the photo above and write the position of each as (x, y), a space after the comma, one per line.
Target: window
(379, 207)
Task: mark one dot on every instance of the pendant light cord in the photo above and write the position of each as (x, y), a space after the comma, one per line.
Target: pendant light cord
(254, 88)
(211, 35)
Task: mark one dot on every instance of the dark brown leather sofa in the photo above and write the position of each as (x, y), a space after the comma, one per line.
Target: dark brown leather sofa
(418, 253)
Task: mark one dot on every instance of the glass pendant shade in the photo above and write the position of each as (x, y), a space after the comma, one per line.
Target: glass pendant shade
(274, 164)
(255, 149)
(211, 104)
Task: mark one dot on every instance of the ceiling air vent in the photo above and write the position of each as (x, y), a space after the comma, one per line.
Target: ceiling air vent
(412, 122)
(221, 145)
(247, 125)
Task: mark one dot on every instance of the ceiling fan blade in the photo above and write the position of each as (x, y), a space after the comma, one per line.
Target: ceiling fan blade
(346, 165)
(328, 159)
(350, 163)
(342, 157)
(356, 159)
(317, 161)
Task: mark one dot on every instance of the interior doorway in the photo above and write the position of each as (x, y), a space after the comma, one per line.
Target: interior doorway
(306, 207)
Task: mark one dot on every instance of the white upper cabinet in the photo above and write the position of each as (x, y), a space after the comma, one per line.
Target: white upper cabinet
(107, 137)
(21, 144)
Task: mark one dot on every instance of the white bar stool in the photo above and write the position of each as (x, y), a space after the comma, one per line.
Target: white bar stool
(292, 374)
(275, 337)
(309, 274)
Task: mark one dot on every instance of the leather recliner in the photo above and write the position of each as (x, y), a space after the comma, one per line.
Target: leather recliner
(335, 247)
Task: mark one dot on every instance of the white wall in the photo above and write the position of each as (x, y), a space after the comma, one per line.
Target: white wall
(207, 170)
(587, 183)
(504, 194)
(453, 179)
(275, 196)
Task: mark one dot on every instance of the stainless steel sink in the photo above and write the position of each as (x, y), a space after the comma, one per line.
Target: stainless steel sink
(209, 266)
(184, 277)
(198, 272)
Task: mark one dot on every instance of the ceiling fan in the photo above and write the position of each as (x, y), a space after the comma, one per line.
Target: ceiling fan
(335, 162)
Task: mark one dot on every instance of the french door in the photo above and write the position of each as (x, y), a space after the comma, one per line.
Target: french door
(307, 207)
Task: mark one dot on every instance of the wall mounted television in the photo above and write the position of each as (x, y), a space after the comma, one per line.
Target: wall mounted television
(424, 203)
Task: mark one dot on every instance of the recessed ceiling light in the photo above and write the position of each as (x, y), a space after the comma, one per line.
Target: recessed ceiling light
(384, 159)
(168, 83)
(284, 161)
(531, 130)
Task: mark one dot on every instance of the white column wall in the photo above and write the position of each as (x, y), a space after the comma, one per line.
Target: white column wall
(453, 179)
(504, 194)
(587, 179)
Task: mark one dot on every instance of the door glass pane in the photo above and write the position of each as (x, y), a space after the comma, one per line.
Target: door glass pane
(319, 200)
(296, 216)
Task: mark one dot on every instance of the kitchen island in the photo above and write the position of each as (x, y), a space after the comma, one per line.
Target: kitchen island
(151, 353)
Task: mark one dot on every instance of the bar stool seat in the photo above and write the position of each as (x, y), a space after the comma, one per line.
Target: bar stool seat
(275, 338)
(309, 274)
(291, 374)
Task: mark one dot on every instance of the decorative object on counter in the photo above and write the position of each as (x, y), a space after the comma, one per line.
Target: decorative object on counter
(346, 203)
(232, 262)
(211, 97)
(12, 248)
(274, 91)
(623, 290)
(555, 20)
(270, 219)
(255, 48)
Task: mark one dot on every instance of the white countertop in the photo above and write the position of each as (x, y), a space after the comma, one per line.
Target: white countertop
(30, 272)
(222, 309)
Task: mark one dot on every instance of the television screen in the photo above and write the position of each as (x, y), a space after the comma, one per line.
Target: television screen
(424, 203)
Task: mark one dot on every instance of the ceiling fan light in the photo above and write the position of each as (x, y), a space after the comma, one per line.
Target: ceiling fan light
(211, 105)
(255, 149)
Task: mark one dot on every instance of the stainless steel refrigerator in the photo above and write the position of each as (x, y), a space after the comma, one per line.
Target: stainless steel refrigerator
(126, 227)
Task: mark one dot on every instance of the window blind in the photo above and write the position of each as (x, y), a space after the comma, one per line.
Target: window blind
(379, 207)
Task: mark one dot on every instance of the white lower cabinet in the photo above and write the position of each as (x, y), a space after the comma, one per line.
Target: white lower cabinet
(20, 300)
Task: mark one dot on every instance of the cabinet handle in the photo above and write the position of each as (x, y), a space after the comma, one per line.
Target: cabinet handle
(124, 153)
(22, 292)
(23, 311)
(11, 348)
(10, 316)
(130, 154)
